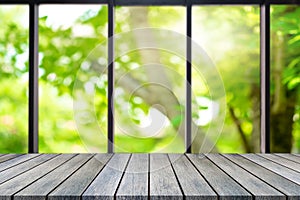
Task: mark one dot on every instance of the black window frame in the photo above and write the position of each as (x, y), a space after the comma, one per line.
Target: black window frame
(33, 106)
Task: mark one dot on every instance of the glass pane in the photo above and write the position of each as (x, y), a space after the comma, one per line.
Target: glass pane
(226, 74)
(285, 79)
(150, 79)
(72, 86)
(14, 78)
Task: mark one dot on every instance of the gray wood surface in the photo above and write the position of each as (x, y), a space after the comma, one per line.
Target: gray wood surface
(22, 167)
(14, 185)
(282, 161)
(149, 176)
(279, 169)
(16, 161)
(135, 181)
(75, 185)
(163, 183)
(106, 183)
(289, 188)
(192, 183)
(255, 186)
(225, 186)
(291, 157)
(43, 186)
(8, 157)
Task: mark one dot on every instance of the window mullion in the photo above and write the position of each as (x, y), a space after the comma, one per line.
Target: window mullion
(265, 77)
(110, 145)
(188, 113)
(33, 126)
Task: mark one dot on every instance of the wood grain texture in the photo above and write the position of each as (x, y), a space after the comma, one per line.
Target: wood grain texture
(14, 185)
(23, 167)
(279, 169)
(149, 176)
(163, 183)
(16, 161)
(43, 186)
(282, 161)
(225, 187)
(287, 187)
(8, 157)
(258, 188)
(291, 157)
(105, 184)
(74, 186)
(134, 184)
(192, 183)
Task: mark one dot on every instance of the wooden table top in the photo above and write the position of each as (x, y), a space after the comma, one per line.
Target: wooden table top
(149, 176)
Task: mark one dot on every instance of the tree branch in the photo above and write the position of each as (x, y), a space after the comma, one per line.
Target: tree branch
(279, 99)
(240, 130)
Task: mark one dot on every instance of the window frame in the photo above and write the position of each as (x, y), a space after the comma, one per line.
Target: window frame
(33, 106)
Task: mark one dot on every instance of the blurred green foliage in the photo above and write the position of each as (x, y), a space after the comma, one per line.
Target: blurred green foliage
(229, 34)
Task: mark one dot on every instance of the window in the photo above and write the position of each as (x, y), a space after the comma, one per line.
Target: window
(233, 47)
(67, 80)
(145, 124)
(285, 73)
(233, 86)
(13, 78)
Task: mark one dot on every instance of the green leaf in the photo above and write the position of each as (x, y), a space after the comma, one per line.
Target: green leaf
(176, 121)
(294, 83)
(294, 40)
(203, 107)
(294, 62)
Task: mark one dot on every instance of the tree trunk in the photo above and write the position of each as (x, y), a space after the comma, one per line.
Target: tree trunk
(139, 19)
(282, 126)
(283, 101)
(255, 137)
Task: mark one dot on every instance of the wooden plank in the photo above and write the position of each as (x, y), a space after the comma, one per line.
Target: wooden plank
(43, 186)
(23, 167)
(282, 161)
(155, 176)
(8, 157)
(163, 183)
(105, 184)
(289, 188)
(75, 185)
(225, 186)
(258, 188)
(134, 184)
(14, 185)
(16, 161)
(192, 183)
(279, 169)
(291, 157)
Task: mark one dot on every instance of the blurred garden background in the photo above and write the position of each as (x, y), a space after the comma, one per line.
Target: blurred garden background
(68, 36)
